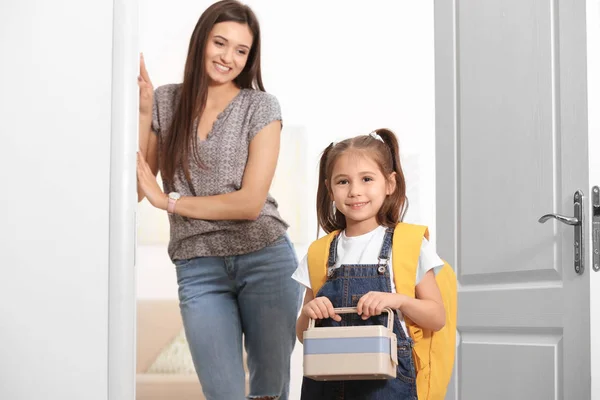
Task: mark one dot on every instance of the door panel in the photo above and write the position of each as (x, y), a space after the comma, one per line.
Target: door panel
(524, 353)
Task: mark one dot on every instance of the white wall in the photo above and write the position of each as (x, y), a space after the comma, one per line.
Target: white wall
(339, 69)
(55, 113)
(593, 71)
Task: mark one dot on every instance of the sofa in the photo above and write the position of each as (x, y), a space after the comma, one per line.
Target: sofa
(158, 325)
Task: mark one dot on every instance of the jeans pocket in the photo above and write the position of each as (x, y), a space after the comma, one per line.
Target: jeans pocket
(280, 240)
(283, 245)
(182, 263)
(406, 369)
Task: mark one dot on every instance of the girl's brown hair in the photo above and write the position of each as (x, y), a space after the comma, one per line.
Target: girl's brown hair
(180, 139)
(387, 156)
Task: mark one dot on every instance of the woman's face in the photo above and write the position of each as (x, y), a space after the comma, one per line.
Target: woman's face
(227, 51)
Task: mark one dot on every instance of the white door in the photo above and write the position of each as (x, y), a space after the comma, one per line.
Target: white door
(512, 145)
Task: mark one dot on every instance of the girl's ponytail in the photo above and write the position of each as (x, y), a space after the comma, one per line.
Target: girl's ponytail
(327, 218)
(395, 207)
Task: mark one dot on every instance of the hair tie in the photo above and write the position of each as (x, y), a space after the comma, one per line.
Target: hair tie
(376, 136)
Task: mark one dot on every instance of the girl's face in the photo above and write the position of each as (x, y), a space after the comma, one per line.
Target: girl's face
(359, 189)
(227, 51)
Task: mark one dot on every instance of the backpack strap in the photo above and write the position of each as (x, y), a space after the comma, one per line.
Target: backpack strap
(406, 249)
(318, 255)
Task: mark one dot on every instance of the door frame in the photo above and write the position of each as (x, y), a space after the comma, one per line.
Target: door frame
(445, 116)
(593, 86)
(123, 203)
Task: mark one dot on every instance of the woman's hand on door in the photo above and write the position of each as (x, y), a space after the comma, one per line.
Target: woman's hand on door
(146, 89)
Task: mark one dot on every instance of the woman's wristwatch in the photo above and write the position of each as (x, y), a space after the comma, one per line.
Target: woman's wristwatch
(173, 197)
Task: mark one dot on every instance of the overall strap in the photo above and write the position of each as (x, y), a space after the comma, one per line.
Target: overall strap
(386, 247)
(333, 251)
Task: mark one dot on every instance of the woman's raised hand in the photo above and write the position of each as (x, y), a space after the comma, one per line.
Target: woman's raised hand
(146, 89)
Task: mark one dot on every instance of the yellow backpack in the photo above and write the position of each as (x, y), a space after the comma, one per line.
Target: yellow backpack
(433, 352)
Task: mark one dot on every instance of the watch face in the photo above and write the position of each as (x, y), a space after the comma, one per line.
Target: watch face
(174, 195)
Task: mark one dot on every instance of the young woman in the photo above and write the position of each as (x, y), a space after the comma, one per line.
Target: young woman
(215, 139)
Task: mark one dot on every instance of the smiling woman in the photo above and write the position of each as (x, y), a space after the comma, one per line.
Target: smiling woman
(215, 139)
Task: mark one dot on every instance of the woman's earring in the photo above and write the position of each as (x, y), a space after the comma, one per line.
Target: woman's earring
(333, 208)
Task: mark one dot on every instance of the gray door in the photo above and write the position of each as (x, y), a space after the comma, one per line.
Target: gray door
(511, 139)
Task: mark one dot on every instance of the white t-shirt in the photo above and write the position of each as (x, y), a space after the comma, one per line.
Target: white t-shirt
(365, 249)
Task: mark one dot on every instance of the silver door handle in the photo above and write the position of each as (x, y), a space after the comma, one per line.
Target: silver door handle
(577, 222)
(561, 218)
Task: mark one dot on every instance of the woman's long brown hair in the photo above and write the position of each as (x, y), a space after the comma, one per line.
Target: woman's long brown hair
(180, 139)
(387, 156)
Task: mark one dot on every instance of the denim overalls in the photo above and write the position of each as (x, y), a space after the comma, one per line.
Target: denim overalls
(344, 287)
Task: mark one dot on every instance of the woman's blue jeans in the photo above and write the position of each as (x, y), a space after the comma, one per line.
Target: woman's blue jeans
(250, 296)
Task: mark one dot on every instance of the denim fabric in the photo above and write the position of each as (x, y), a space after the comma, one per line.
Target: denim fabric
(250, 296)
(344, 287)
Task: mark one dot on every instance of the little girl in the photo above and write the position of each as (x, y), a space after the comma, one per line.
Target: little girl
(362, 193)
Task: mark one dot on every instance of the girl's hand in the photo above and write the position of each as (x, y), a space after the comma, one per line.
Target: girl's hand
(373, 303)
(147, 183)
(320, 308)
(146, 89)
